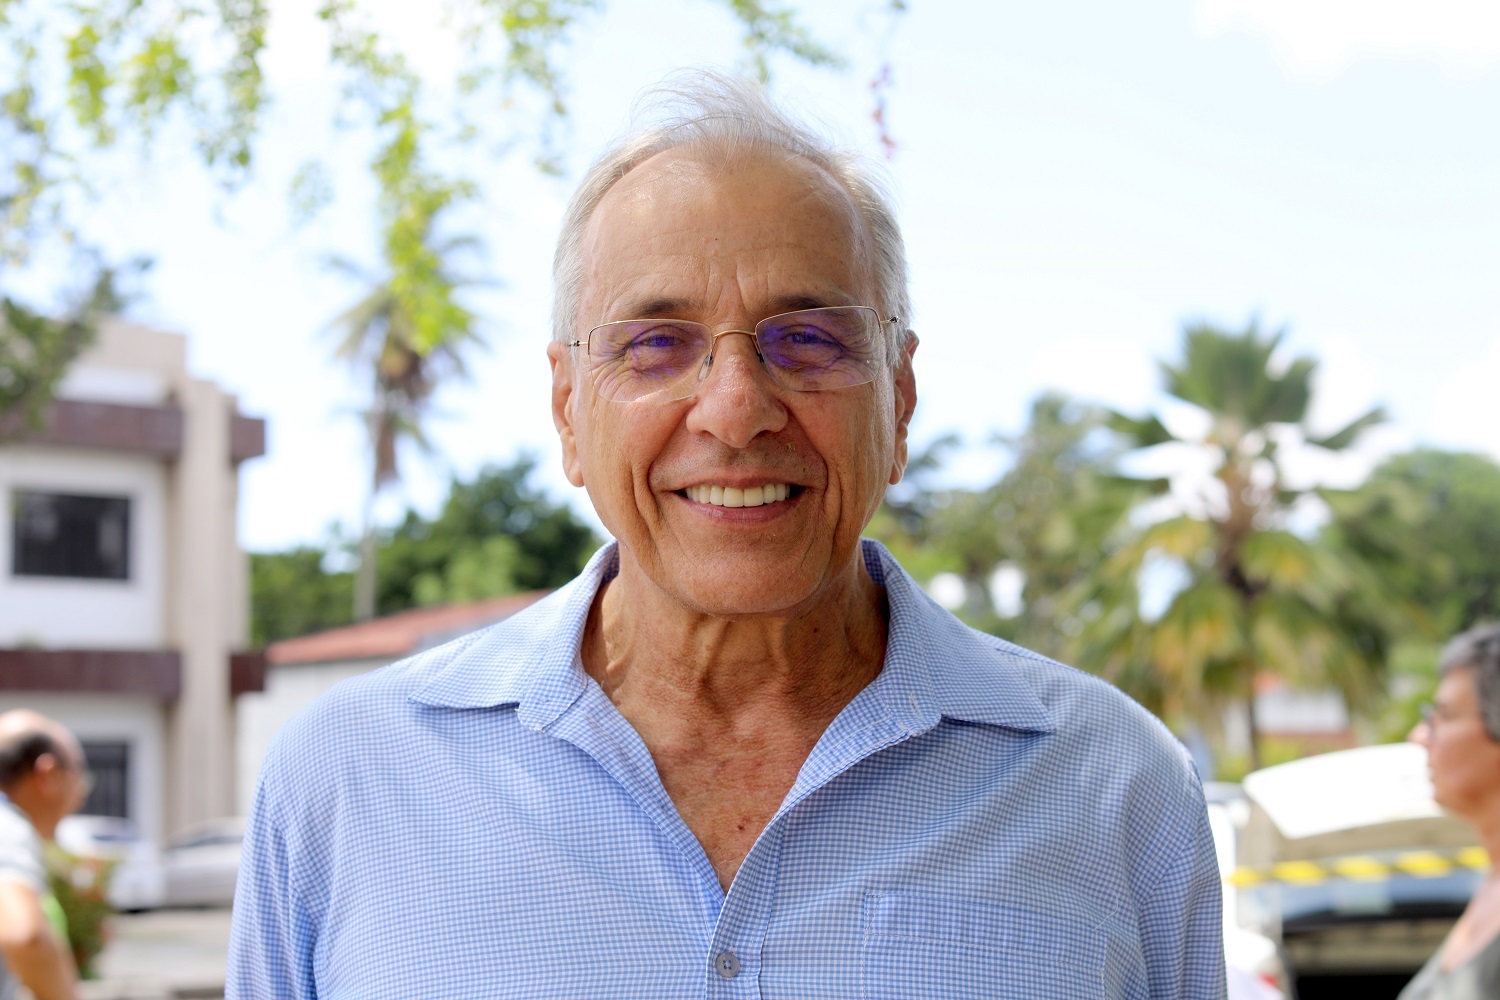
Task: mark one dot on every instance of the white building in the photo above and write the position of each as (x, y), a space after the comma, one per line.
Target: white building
(123, 593)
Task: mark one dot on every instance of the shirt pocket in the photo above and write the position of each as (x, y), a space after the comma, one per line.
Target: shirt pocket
(918, 947)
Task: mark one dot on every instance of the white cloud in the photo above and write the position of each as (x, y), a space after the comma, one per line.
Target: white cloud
(1463, 415)
(1109, 370)
(1320, 38)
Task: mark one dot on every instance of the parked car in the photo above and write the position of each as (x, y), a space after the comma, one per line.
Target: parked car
(136, 881)
(201, 865)
(1347, 864)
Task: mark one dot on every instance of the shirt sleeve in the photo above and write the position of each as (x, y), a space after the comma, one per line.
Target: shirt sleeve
(1182, 923)
(20, 854)
(272, 935)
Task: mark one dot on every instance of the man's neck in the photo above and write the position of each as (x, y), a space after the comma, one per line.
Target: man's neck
(642, 645)
(731, 709)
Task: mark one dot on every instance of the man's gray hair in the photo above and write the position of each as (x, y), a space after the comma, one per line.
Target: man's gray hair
(732, 118)
(1478, 650)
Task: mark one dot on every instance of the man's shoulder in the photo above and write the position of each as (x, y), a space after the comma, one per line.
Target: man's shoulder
(1098, 743)
(1079, 701)
(967, 666)
(20, 848)
(374, 709)
(1100, 747)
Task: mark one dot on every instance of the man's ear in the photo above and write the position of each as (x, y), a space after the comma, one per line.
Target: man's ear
(905, 399)
(560, 357)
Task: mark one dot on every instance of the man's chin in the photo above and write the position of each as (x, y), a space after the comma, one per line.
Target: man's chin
(743, 600)
(744, 580)
(742, 586)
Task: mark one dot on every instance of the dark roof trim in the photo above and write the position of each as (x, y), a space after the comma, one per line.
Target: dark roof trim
(247, 438)
(150, 672)
(150, 430)
(247, 672)
(154, 430)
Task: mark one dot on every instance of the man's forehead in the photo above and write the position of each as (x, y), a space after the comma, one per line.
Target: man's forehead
(672, 187)
(703, 165)
(682, 208)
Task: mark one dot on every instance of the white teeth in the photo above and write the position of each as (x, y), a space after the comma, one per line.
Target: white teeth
(735, 496)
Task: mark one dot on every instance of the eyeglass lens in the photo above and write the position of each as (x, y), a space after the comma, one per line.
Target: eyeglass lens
(807, 350)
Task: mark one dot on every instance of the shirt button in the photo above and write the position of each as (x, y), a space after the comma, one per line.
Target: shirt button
(727, 964)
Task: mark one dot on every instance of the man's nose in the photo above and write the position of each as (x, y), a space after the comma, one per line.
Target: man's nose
(737, 400)
(1420, 734)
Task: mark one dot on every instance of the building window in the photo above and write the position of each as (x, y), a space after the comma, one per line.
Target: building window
(63, 534)
(110, 763)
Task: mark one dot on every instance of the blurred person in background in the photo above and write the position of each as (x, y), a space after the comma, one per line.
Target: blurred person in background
(42, 779)
(1462, 735)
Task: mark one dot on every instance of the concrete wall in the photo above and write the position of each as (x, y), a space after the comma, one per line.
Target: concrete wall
(87, 614)
(128, 363)
(203, 558)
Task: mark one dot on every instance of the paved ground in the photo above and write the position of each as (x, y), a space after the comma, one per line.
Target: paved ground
(164, 955)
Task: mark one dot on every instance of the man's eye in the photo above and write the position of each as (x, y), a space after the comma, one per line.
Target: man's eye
(658, 338)
(809, 336)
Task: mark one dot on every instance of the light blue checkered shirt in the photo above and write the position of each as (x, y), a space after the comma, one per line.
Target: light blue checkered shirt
(479, 821)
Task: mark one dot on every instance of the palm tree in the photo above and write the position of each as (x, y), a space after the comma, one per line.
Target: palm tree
(1256, 595)
(409, 338)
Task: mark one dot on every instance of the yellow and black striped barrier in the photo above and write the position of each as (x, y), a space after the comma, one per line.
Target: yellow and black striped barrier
(1363, 868)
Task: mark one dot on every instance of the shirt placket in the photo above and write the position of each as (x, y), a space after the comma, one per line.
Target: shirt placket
(734, 952)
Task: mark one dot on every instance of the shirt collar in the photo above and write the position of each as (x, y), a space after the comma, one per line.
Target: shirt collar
(935, 666)
(528, 660)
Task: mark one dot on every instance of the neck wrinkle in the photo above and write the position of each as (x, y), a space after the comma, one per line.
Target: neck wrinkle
(639, 643)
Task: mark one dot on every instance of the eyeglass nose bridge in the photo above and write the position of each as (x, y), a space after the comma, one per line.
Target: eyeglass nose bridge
(713, 346)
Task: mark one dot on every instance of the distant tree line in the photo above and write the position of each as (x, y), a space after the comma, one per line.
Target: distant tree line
(1183, 596)
(495, 534)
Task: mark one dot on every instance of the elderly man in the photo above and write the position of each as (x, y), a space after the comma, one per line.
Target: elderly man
(42, 779)
(742, 755)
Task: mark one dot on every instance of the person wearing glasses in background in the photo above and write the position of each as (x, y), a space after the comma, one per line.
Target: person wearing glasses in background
(42, 779)
(1461, 731)
(743, 754)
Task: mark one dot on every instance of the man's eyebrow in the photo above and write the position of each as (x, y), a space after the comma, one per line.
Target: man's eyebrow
(658, 308)
(663, 307)
(791, 303)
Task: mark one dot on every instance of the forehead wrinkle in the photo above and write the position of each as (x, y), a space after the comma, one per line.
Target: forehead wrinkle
(680, 270)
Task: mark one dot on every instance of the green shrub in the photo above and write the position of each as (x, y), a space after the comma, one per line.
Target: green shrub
(79, 885)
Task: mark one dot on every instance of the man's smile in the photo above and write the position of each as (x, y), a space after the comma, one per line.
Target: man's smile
(735, 496)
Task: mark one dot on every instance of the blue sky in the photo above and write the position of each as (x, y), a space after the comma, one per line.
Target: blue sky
(1076, 180)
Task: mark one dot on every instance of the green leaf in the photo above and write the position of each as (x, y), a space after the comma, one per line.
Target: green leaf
(1339, 440)
(157, 75)
(89, 80)
(1143, 432)
(310, 191)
